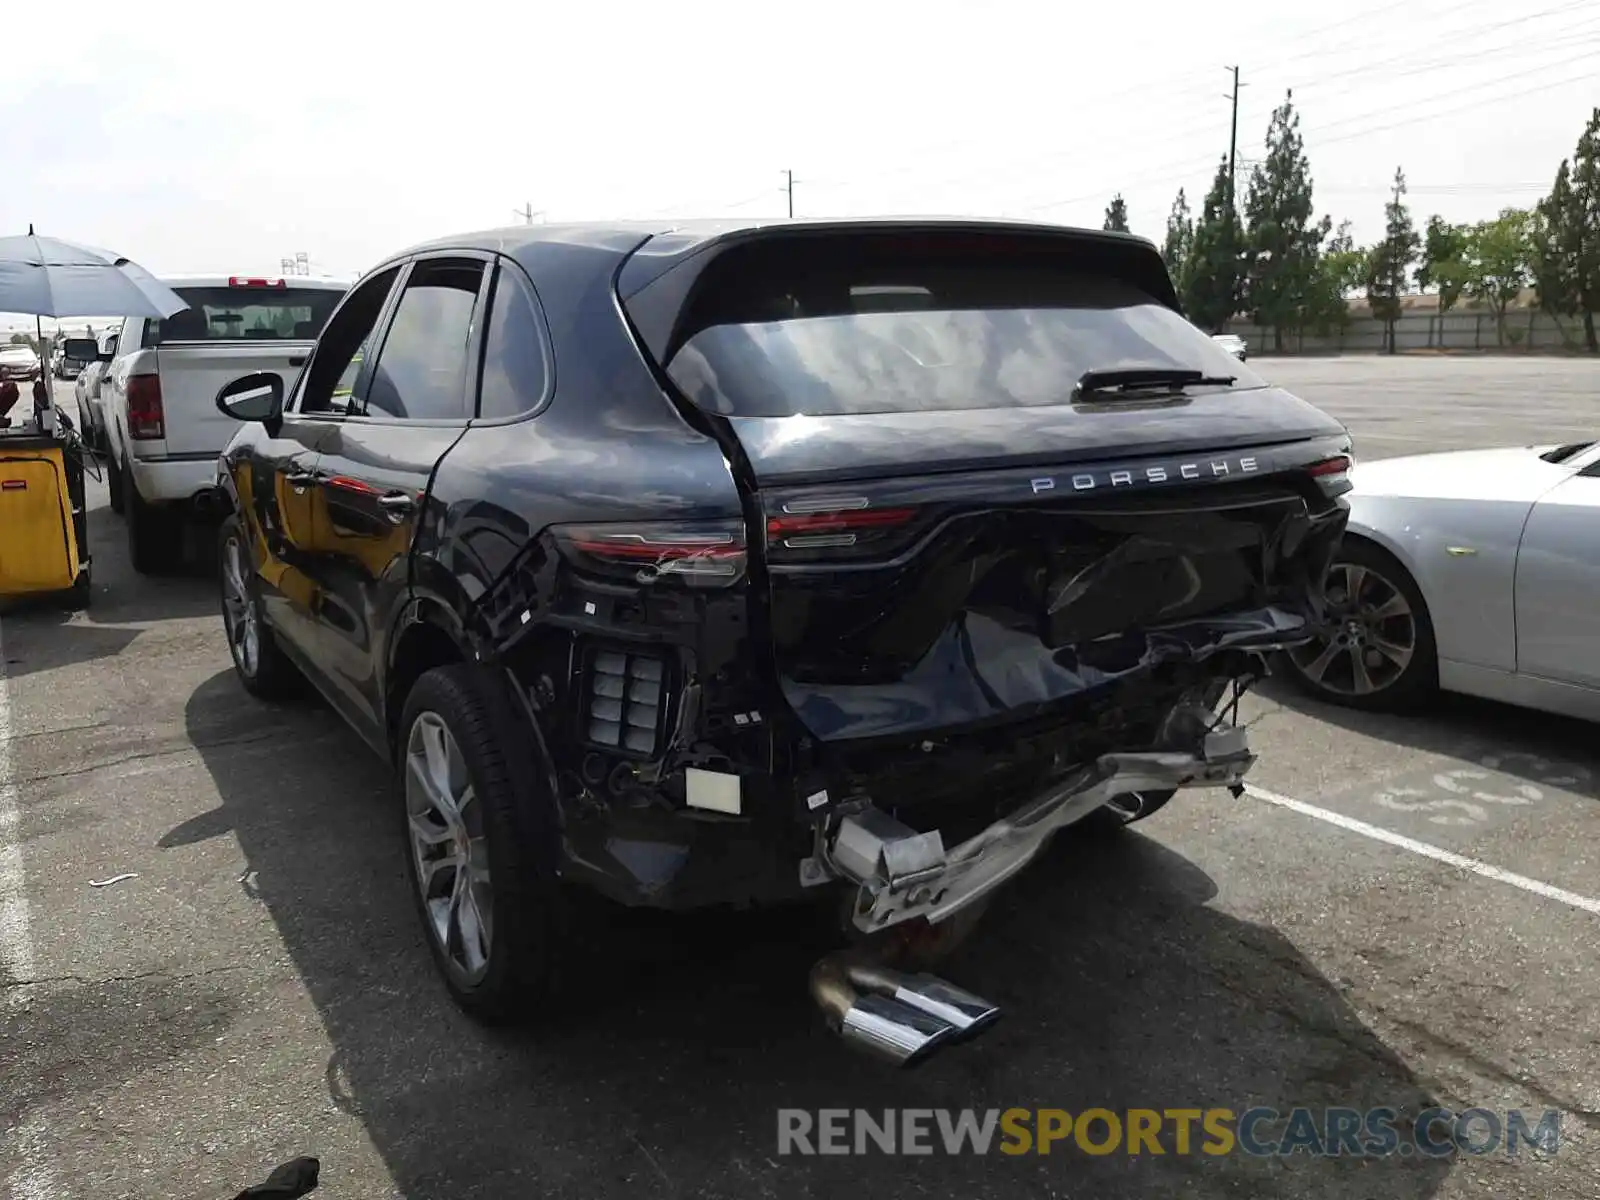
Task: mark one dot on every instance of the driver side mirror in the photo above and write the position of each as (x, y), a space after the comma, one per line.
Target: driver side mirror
(254, 397)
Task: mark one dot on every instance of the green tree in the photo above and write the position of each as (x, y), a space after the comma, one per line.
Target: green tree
(1341, 270)
(1117, 215)
(1567, 256)
(1389, 264)
(1211, 277)
(1443, 266)
(1499, 263)
(1180, 238)
(1282, 239)
(1556, 242)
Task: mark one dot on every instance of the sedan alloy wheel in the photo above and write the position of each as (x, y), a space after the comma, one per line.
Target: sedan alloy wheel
(1371, 639)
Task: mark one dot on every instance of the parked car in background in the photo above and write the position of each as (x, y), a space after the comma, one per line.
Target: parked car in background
(1471, 571)
(1233, 344)
(18, 361)
(738, 564)
(91, 410)
(73, 355)
(163, 430)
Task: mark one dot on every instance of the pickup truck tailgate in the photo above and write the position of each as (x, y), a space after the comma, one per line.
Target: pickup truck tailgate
(192, 374)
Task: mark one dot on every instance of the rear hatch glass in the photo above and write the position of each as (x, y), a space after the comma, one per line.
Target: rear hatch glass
(269, 314)
(849, 329)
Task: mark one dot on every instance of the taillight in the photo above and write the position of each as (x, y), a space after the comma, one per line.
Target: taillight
(849, 525)
(696, 553)
(146, 422)
(254, 282)
(1340, 464)
(1332, 475)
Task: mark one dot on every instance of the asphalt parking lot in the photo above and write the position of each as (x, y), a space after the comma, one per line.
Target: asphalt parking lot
(259, 989)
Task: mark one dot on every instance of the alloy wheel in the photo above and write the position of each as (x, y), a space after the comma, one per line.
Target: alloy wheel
(239, 610)
(445, 820)
(1371, 637)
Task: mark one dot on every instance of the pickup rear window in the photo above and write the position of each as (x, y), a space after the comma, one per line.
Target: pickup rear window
(231, 314)
(795, 334)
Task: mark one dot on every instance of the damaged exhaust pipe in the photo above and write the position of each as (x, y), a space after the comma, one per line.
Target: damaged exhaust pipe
(898, 1018)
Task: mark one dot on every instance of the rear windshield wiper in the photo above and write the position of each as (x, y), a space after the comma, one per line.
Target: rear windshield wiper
(1137, 379)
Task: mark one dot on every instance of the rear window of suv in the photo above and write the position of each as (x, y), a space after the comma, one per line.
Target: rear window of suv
(795, 334)
(230, 314)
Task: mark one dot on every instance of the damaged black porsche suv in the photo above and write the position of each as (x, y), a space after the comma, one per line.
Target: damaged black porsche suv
(716, 563)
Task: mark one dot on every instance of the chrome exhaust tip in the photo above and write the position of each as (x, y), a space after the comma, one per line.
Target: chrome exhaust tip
(897, 1018)
(893, 1032)
(966, 1014)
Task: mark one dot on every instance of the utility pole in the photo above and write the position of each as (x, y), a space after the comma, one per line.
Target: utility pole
(1233, 135)
(789, 188)
(527, 214)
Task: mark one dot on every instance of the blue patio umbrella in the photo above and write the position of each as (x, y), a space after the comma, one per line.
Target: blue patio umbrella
(48, 277)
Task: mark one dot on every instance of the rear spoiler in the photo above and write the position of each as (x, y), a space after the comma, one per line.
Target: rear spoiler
(658, 280)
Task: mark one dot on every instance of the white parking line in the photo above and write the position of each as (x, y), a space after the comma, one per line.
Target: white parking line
(32, 1178)
(1461, 861)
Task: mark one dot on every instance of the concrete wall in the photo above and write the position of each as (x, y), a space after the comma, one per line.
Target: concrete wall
(1525, 329)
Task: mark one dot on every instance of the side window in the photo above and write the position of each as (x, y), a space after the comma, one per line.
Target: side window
(344, 346)
(151, 336)
(516, 369)
(422, 367)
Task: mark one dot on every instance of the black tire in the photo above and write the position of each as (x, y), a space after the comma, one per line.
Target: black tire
(114, 485)
(517, 819)
(82, 592)
(272, 675)
(1407, 686)
(154, 542)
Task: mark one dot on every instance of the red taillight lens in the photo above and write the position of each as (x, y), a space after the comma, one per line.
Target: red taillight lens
(146, 421)
(789, 524)
(696, 553)
(1338, 465)
(252, 281)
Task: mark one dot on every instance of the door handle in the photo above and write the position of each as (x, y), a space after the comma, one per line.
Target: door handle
(300, 480)
(397, 503)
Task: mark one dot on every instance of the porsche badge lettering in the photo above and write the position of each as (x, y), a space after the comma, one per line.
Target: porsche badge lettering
(1088, 481)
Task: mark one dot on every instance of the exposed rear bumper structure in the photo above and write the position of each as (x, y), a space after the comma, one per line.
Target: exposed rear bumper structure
(904, 875)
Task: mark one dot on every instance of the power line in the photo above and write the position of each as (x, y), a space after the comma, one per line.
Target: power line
(1190, 134)
(1322, 140)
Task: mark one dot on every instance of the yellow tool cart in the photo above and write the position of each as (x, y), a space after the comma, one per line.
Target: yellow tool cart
(43, 543)
(43, 526)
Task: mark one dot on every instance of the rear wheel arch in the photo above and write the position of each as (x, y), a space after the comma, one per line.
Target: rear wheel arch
(424, 637)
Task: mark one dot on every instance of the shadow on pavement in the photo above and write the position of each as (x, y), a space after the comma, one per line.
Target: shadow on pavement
(1535, 746)
(1122, 989)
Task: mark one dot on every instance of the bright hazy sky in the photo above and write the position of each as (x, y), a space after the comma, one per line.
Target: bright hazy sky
(194, 138)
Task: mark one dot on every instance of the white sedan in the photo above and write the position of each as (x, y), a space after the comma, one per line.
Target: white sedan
(1474, 571)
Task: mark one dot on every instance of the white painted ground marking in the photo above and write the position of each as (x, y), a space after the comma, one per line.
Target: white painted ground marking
(32, 1178)
(1460, 861)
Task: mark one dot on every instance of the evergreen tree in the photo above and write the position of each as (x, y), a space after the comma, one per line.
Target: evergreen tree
(1117, 215)
(1282, 238)
(1567, 255)
(1389, 267)
(1211, 277)
(1180, 237)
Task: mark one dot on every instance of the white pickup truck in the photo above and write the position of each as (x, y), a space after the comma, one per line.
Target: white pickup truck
(163, 430)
